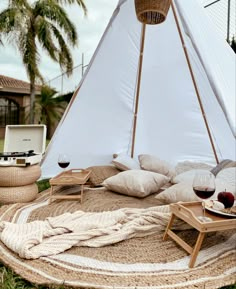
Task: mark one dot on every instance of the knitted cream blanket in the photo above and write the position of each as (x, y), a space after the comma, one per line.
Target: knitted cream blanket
(57, 234)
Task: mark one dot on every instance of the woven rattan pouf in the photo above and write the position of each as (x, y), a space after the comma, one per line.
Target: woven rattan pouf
(17, 184)
(22, 194)
(19, 176)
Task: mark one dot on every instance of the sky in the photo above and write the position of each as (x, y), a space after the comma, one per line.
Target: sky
(90, 30)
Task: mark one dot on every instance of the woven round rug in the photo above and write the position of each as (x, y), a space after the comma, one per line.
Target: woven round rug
(147, 262)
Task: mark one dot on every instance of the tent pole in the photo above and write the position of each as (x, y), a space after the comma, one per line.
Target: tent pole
(138, 88)
(195, 84)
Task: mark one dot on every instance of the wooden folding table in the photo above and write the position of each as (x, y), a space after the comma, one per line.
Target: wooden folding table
(69, 178)
(188, 212)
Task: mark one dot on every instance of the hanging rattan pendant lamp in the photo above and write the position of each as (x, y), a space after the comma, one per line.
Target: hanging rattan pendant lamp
(152, 11)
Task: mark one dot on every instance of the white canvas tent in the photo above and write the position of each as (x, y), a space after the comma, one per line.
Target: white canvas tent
(99, 121)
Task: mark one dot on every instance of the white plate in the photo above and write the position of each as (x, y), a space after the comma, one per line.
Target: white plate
(220, 212)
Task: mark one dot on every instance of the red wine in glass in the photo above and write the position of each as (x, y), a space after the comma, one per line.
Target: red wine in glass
(204, 192)
(204, 188)
(63, 161)
(63, 165)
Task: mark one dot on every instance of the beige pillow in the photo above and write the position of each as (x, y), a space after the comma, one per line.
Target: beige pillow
(154, 164)
(187, 177)
(184, 192)
(184, 166)
(137, 183)
(228, 176)
(176, 193)
(101, 173)
(124, 162)
(223, 165)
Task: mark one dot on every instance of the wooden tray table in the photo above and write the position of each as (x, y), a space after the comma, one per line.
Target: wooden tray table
(69, 178)
(188, 212)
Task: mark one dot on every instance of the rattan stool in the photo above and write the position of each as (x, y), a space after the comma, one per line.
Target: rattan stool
(19, 176)
(22, 194)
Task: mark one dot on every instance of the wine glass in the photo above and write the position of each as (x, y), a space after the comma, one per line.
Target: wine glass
(63, 161)
(204, 188)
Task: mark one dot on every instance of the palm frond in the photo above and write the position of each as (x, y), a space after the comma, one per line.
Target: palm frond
(44, 34)
(79, 2)
(65, 58)
(8, 20)
(57, 15)
(19, 4)
(30, 56)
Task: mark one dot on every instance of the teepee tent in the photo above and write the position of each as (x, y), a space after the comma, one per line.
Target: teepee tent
(185, 109)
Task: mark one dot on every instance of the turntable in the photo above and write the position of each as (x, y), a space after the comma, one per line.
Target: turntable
(23, 145)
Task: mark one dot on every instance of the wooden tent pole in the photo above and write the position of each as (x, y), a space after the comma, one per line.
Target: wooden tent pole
(195, 84)
(138, 88)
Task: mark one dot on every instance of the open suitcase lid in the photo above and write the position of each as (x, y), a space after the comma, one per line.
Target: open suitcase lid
(21, 138)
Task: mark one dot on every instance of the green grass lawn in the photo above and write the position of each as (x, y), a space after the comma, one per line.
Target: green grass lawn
(10, 280)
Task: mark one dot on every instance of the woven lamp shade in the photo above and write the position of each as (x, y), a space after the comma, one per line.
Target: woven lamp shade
(152, 11)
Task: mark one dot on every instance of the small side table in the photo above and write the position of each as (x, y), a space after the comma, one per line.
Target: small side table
(69, 178)
(188, 212)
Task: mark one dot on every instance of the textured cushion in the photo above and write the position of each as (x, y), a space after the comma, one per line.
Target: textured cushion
(185, 166)
(228, 176)
(223, 165)
(19, 176)
(101, 173)
(22, 194)
(137, 183)
(184, 192)
(176, 193)
(124, 162)
(154, 164)
(187, 177)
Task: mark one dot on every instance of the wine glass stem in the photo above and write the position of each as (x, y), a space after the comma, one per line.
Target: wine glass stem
(204, 209)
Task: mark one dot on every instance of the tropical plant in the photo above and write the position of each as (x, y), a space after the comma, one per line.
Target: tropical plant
(28, 24)
(49, 108)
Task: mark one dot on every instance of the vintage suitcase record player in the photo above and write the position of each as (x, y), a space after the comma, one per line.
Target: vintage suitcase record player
(23, 145)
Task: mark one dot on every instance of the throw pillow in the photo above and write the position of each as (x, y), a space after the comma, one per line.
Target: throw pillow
(137, 183)
(223, 165)
(187, 177)
(124, 162)
(228, 176)
(154, 164)
(176, 193)
(183, 192)
(185, 166)
(101, 173)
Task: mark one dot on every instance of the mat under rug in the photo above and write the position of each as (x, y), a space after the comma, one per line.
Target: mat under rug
(146, 262)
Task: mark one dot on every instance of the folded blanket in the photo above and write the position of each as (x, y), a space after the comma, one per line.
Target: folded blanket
(57, 234)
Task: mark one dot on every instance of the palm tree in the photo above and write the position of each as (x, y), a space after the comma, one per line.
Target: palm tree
(49, 108)
(28, 24)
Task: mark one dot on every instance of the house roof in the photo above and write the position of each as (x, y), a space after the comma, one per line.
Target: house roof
(10, 84)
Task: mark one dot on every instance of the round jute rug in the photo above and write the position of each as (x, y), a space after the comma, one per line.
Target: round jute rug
(146, 262)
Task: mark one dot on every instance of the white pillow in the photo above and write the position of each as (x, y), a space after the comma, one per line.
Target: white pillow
(154, 164)
(176, 193)
(185, 166)
(137, 183)
(187, 177)
(184, 192)
(229, 177)
(124, 162)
